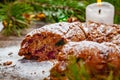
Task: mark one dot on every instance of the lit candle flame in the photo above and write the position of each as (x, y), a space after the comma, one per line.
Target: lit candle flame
(99, 2)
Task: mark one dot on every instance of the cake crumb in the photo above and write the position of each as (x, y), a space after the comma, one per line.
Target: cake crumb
(10, 53)
(7, 63)
(43, 72)
(34, 72)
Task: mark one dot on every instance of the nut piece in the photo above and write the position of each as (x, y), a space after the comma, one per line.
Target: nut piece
(7, 63)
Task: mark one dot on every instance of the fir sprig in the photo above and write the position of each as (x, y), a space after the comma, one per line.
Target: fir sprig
(54, 10)
(12, 18)
(60, 10)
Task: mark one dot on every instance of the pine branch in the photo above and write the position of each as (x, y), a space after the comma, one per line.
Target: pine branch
(13, 20)
(54, 11)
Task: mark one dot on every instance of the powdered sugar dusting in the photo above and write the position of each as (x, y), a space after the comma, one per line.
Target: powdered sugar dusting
(21, 69)
(113, 47)
(65, 29)
(76, 47)
(54, 28)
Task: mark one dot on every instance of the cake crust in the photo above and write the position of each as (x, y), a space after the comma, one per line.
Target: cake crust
(46, 42)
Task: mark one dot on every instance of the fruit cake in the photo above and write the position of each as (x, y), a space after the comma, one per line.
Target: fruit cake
(46, 42)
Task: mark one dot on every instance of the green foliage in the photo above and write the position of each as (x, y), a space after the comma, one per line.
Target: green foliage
(76, 71)
(55, 11)
(110, 77)
(11, 15)
(60, 10)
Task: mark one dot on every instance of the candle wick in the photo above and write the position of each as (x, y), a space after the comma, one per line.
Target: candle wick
(99, 11)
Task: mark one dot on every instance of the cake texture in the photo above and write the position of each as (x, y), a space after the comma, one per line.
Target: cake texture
(46, 42)
(96, 56)
(97, 45)
(101, 32)
(98, 59)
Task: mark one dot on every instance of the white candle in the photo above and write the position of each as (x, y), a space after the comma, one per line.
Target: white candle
(101, 13)
(1, 26)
